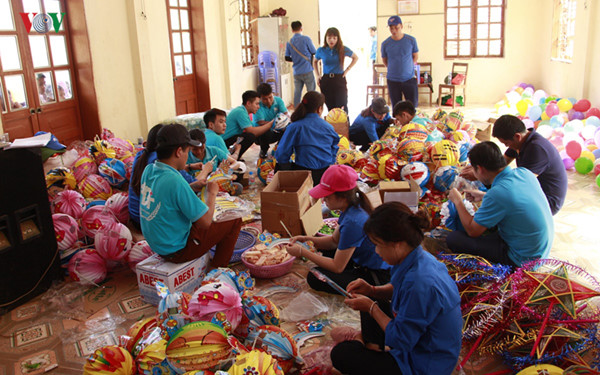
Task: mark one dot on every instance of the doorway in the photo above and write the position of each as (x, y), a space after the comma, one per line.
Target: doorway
(353, 19)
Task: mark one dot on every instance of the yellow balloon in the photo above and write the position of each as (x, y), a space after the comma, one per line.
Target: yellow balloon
(587, 154)
(545, 116)
(564, 105)
(522, 107)
(519, 90)
(592, 147)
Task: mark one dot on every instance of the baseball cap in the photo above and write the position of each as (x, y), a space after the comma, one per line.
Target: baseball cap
(53, 143)
(379, 106)
(173, 135)
(336, 178)
(394, 20)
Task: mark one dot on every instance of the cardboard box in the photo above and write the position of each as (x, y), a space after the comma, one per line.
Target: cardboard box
(484, 130)
(407, 192)
(286, 199)
(182, 277)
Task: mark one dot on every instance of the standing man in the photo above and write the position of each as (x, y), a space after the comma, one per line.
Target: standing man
(300, 50)
(239, 124)
(373, 54)
(399, 53)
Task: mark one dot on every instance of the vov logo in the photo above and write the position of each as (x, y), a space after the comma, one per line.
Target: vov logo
(42, 22)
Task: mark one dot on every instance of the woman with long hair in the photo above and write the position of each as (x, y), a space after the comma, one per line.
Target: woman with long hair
(332, 78)
(370, 125)
(355, 256)
(310, 138)
(417, 315)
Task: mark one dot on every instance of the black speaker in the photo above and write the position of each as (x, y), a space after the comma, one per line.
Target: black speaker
(29, 259)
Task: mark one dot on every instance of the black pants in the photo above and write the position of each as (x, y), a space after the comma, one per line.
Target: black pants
(335, 89)
(491, 246)
(248, 140)
(352, 357)
(266, 139)
(351, 273)
(361, 138)
(408, 88)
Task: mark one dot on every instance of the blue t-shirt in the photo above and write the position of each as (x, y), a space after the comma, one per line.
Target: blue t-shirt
(134, 199)
(312, 139)
(209, 153)
(168, 207)
(399, 54)
(267, 114)
(373, 54)
(331, 59)
(351, 223)
(369, 125)
(542, 158)
(237, 120)
(425, 334)
(214, 140)
(306, 47)
(518, 206)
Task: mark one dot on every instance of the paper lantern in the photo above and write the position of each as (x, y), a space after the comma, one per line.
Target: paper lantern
(281, 122)
(453, 121)
(69, 202)
(414, 131)
(66, 230)
(95, 218)
(439, 115)
(119, 205)
(83, 167)
(264, 168)
(444, 152)
(371, 170)
(389, 167)
(101, 150)
(241, 281)
(410, 149)
(198, 346)
(416, 171)
(278, 343)
(463, 149)
(140, 251)
(336, 116)
(255, 362)
(114, 171)
(136, 332)
(380, 148)
(392, 132)
(344, 143)
(121, 146)
(95, 187)
(460, 136)
(110, 359)
(172, 312)
(61, 178)
(261, 311)
(128, 160)
(444, 177)
(152, 360)
(345, 157)
(87, 267)
(113, 241)
(218, 303)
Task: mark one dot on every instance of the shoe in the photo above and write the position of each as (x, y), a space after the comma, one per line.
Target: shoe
(344, 333)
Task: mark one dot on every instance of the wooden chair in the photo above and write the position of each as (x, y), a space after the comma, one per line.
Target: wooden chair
(374, 91)
(457, 68)
(381, 71)
(428, 87)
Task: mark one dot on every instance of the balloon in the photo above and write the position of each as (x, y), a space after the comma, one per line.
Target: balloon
(538, 96)
(584, 165)
(528, 123)
(582, 105)
(573, 149)
(597, 137)
(596, 171)
(545, 116)
(568, 163)
(598, 180)
(574, 115)
(522, 106)
(552, 110)
(588, 154)
(588, 132)
(593, 112)
(545, 131)
(534, 112)
(596, 153)
(564, 105)
(593, 121)
(557, 121)
(557, 141)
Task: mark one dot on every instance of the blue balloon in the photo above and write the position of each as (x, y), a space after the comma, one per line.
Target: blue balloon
(596, 153)
(572, 100)
(534, 112)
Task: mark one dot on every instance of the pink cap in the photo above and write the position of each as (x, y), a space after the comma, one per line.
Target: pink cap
(336, 178)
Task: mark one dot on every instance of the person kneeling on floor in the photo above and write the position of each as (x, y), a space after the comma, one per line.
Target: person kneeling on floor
(417, 315)
(176, 223)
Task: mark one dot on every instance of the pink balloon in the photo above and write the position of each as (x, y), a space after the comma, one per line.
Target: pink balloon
(568, 163)
(573, 149)
(597, 170)
(552, 109)
(582, 105)
(557, 141)
(593, 112)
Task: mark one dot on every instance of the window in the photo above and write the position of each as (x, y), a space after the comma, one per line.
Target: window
(474, 28)
(563, 30)
(248, 31)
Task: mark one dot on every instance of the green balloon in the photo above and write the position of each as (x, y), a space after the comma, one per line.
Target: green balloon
(598, 180)
(584, 165)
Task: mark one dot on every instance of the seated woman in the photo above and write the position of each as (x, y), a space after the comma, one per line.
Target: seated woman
(417, 315)
(310, 138)
(370, 125)
(355, 256)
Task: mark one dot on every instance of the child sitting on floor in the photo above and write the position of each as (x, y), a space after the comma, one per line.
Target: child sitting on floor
(355, 256)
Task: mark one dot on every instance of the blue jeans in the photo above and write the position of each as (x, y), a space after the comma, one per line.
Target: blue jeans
(307, 79)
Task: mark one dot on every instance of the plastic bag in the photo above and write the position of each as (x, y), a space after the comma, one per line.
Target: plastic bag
(305, 306)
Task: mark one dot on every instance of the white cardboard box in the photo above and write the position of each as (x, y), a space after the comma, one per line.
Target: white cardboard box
(182, 277)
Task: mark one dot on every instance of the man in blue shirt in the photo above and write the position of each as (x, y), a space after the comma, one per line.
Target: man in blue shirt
(371, 124)
(373, 53)
(216, 125)
(239, 124)
(515, 203)
(400, 53)
(176, 223)
(270, 107)
(299, 50)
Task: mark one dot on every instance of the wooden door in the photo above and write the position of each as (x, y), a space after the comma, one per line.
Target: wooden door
(36, 70)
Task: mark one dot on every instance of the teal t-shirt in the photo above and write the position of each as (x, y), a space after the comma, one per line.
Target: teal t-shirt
(210, 152)
(168, 207)
(237, 120)
(518, 206)
(267, 114)
(215, 140)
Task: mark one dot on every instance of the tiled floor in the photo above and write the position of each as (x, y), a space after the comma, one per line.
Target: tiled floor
(61, 327)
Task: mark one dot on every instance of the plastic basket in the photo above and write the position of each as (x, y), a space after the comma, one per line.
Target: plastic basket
(276, 270)
(325, 221)
(244, 242)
